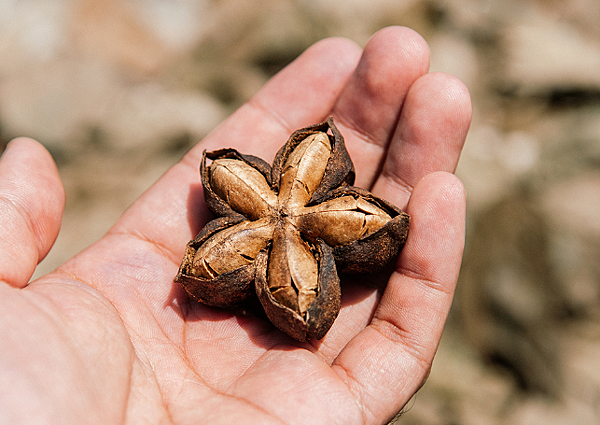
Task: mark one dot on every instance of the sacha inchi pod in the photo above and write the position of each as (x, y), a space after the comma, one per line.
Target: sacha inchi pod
(284, 231)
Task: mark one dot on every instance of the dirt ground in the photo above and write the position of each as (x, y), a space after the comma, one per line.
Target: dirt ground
(118, 90)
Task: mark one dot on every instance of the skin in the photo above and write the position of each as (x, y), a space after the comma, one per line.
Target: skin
(109, 338)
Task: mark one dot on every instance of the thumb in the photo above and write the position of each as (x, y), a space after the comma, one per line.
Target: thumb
(31, 205)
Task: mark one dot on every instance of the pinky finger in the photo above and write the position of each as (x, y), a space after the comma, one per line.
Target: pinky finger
(389, 360)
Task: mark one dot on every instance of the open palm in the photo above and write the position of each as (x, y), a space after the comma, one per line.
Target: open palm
(109, 338)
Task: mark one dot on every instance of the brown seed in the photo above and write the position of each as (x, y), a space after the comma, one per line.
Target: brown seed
(353, 218)
(293, 269)
(243, 187)
(304, 171)
(232, 248)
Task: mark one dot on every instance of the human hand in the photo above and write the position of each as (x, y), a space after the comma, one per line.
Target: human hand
(109, 338)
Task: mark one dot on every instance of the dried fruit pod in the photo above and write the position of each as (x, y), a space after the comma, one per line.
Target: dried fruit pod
(339, 169)
(375, 249)
(242, 187)
(303, 171)
(285, 231)
(225, 290)
(355, 218)
(322, 311)
(293, 269)
(214, 202)
(232, 248)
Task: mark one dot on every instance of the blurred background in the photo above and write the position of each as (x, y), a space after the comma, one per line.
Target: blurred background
(119, 90)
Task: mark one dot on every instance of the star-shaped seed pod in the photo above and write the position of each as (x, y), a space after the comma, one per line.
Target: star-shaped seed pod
(284, 231)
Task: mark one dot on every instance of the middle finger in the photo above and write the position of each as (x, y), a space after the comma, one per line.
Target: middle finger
(368, 108)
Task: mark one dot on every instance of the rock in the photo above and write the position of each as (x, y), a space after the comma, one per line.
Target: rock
(456, 56)
(545, 54)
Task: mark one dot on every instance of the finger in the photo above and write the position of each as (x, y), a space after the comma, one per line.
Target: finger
(368, 109)
(31, 206)
(388, 361)
(430, 135)
(301, 94)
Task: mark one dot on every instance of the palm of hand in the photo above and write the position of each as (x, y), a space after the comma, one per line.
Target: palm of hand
(108, 337)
